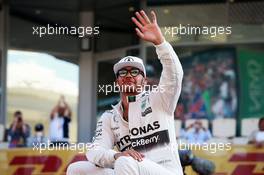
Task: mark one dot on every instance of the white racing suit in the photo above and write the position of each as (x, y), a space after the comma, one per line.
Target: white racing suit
(150, 129)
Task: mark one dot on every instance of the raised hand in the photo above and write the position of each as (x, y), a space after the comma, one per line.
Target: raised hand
(146, 29)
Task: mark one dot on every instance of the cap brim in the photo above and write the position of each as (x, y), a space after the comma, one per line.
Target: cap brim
(121, 65)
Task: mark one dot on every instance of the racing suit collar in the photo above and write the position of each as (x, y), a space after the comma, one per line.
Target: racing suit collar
(135, 98)
(119, 108)
(119, 111)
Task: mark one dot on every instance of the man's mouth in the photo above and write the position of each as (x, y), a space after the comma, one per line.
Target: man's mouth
(128, 82)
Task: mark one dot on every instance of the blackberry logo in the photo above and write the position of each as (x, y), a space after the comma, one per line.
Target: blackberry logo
(129, 59)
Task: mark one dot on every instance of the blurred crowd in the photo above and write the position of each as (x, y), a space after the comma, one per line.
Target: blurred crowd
(196, 133)
(208, 91)
(19, 132)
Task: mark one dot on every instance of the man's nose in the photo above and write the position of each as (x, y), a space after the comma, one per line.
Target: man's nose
(128, 74)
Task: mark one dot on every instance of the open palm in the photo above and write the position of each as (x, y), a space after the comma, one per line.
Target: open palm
(146, 29)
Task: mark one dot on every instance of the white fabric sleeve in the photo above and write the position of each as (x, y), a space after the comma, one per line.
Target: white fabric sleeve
(171, 76)
(101, 152)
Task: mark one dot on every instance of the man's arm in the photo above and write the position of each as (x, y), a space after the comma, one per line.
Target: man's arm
(26, 130)
(67, 112)
(171, 77)
(11, 130)
(102, 153)
(172, 73)
(53, 112)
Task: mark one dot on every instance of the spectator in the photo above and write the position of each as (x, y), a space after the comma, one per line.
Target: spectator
(257, 137)
(218, 107)
(39, 136)
(196, 133)
(198, 108)
(59, 124)
(18, 131)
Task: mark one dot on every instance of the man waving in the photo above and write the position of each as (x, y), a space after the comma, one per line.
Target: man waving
(141, 125)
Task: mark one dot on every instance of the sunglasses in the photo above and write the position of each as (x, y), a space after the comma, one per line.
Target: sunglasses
(133, 72)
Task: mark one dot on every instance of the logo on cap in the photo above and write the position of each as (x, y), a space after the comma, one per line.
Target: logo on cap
(129, 59)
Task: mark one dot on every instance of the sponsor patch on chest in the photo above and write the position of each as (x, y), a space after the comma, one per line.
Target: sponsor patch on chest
(145, 107)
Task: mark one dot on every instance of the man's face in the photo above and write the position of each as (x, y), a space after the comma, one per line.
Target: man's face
(130, 80)
(197, 125)
(18, 117)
